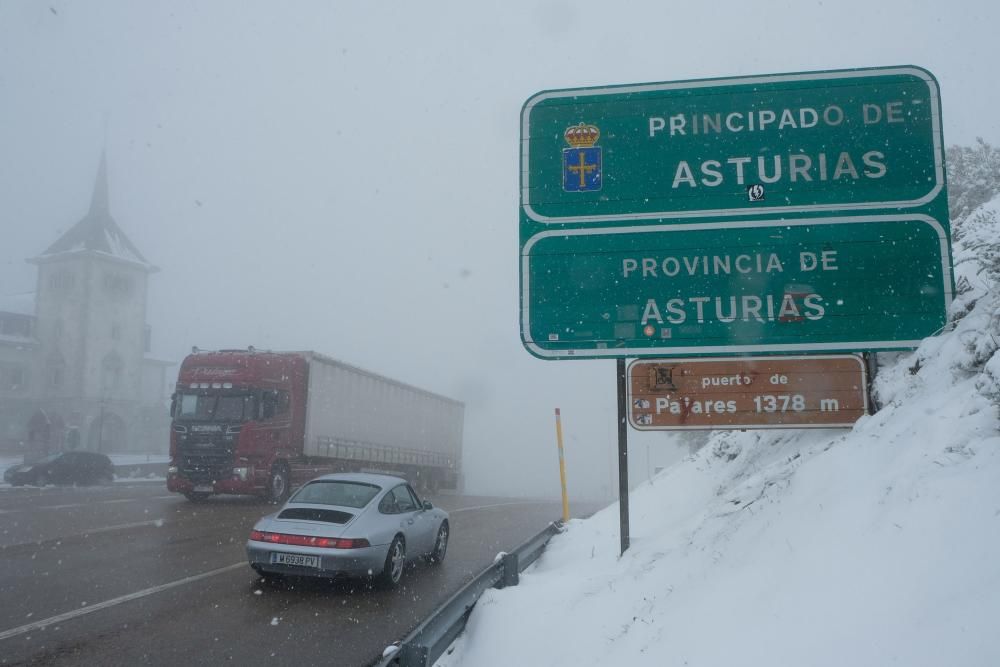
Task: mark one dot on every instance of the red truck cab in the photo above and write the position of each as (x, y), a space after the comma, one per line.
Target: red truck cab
(237, 423)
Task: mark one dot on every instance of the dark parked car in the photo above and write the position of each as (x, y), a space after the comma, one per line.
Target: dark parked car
(63, 468)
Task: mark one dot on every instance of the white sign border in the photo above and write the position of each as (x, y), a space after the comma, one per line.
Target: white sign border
(911, 70)
(617, 352)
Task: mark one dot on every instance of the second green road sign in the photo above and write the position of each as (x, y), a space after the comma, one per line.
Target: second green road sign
(792, 212)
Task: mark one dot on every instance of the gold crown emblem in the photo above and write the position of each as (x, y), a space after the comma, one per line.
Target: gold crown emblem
(582, 135)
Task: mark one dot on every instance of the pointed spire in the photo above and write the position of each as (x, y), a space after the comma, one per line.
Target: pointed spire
(99, 200)
(97, 231)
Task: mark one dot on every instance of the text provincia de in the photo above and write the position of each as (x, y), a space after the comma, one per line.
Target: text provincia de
(726, 309)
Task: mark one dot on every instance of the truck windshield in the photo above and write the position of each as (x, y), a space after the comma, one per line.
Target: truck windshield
(214, 407)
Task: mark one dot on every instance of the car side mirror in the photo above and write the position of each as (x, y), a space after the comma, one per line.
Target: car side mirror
(428, 505)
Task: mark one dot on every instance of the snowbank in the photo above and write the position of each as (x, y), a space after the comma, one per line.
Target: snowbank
(874, 546)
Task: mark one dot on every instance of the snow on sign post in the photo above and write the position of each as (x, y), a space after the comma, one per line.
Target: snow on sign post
(766, 214)
(817, 391)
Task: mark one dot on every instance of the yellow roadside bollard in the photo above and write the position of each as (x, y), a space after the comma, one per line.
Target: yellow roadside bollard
(562, 468)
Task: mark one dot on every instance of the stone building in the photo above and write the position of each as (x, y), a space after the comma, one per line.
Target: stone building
(73, 364)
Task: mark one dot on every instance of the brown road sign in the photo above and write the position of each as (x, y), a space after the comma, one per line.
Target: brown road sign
(822, 391)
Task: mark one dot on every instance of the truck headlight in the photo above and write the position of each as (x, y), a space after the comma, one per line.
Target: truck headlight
(172, 470)
(242, 472)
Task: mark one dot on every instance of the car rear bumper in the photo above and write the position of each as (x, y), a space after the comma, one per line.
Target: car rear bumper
(332, 562)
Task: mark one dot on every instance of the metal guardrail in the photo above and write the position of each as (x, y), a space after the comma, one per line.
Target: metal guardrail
(430, 639)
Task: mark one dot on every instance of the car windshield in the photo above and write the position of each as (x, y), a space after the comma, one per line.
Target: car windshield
(336, 492)
(214, 407)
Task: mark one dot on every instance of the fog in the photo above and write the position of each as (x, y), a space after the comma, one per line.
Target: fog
(343, 178)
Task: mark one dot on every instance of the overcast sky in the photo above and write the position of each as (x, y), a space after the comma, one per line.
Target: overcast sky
(343, 176)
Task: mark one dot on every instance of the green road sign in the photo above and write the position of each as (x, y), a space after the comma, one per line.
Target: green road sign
(794, 212)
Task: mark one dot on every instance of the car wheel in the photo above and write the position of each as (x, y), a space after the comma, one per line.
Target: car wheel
(440, 544)
(42, 480)
(395, 560)
(106, 478)
(197, 496)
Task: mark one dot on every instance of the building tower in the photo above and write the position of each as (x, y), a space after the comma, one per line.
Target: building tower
(90, 323)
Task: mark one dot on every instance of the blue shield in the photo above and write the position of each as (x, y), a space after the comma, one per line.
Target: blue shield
(582, 169)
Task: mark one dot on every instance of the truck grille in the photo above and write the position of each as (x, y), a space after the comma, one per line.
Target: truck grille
(205, 458)
(203, 469)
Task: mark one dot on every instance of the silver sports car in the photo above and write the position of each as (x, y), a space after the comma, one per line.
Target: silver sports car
(350, 524)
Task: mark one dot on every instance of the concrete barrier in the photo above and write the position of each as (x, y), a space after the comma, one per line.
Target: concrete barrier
(140, 470)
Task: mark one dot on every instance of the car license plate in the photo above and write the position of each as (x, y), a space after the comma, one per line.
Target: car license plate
(203, 488)
(295, 559)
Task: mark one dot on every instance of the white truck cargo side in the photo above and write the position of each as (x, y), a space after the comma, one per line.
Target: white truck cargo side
(349, 406)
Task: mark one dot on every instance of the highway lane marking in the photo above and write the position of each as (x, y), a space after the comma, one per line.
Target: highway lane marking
(89, 609)
(87, 533)
(486, 507)
(121, 526)
(96, 502)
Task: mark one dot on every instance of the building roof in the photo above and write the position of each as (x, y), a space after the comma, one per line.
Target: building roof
(97, 231)
(18, 304)
(17, 341)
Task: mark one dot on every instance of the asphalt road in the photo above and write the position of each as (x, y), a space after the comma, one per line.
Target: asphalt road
(133, 575)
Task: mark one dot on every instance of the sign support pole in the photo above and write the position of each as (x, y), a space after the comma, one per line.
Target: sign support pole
(562, 468)
(623, 455)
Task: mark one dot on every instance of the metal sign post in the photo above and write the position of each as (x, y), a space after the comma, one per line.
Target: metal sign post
(623, 453)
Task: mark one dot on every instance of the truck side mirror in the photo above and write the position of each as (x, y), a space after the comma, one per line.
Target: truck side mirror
(173, 404)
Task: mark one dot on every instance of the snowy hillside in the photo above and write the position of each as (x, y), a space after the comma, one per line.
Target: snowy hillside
(875, 546)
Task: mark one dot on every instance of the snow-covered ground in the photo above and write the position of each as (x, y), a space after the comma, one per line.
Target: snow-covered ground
(134, 459)
(874, 546)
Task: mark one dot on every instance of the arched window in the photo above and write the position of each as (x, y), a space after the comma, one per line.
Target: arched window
(112, 370)
(56, 371)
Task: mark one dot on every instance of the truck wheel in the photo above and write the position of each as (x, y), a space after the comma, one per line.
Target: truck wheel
(278, 484)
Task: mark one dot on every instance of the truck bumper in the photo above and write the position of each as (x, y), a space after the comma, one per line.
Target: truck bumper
(179, 484)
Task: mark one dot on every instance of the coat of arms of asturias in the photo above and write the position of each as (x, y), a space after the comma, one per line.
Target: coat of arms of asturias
(582, 160)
